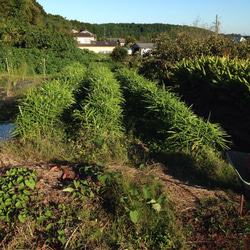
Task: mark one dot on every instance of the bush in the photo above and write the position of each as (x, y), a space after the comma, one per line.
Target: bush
(119, 54)
(170, 51)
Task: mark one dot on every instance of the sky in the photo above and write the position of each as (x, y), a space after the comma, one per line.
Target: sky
(233, 15)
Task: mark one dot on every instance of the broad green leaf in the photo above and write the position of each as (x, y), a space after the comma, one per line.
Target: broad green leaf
(147, 193)
(62, 239)
(30, 183)
(153, 201)
(76, 183)
(157, 207)
(61, 222)
(8, 202)
(50, 225)
(18, 205)
(21, 186)
(20, 179)
(133, 192)
(48, 213)
(68, 189)
(61, 232)
(134, 216)
(26, 192)
(100, 164)
(21, 218)
(75, 195)
(41, 218)
(103, 178)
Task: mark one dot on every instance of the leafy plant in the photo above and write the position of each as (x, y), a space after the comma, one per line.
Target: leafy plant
(15, 193)
(119, 54)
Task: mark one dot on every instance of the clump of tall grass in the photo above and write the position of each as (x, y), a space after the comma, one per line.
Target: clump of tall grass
(217, 78)
(40, 119)
(160, 114)
(100, 113)
(75, 74)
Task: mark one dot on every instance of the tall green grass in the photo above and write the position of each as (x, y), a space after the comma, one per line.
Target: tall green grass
(100, 113)
(220, 78)
(160, 114)
(40, 122)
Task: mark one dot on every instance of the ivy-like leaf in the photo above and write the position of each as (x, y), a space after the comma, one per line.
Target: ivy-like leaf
(156, 207)
(133, 216)
(21, 218)
(30, 183)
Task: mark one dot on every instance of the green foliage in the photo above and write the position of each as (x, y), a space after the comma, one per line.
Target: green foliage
(169, 51)
(143, 31)
(130, 41)
(138, 208)
(119, 54)
(40, 113)
(35, 37)
(16, 190)
(219, 88)
(159, 116)
(219, 78)
(100, 111)
(33, 58)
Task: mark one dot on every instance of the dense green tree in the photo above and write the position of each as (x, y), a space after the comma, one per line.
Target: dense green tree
(168, 51)
(129, 41)
(119, 54)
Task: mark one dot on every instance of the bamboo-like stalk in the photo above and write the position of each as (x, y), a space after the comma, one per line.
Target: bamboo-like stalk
(172, 121)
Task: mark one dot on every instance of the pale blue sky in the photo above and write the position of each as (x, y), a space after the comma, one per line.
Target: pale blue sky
(233, 15)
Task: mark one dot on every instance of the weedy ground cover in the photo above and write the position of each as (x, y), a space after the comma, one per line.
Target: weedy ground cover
(217, 225)
(101, 209)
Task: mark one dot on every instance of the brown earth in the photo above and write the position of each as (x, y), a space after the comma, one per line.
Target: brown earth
(209, 217)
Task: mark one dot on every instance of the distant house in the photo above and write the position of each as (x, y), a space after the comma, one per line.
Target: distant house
(142, 48)
(87, 40)
(121, 41)
(99, 47)
(239, 39)
(85, 37)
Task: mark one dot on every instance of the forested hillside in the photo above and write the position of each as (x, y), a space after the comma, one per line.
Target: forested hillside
(25, 24)
(139, 31)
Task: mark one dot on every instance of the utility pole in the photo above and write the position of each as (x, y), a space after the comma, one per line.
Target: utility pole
(217, 26)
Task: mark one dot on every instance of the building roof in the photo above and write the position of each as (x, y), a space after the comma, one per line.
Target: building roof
(121, 40)
(144, 45)
(85, 33)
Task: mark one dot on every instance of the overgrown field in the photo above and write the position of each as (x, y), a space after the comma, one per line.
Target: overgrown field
(89, 117)
(103, 158)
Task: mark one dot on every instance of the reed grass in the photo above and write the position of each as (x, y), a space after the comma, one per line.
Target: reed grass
(39, 123)
(161, 114)
(100, 114)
